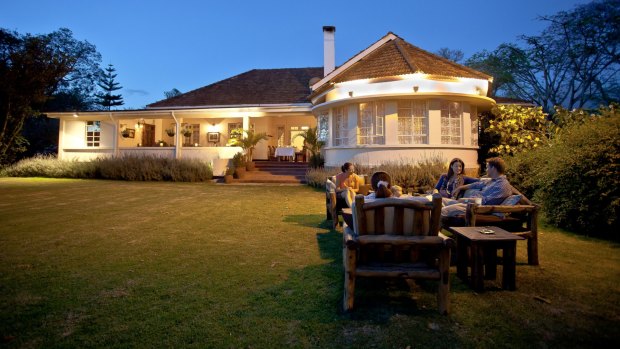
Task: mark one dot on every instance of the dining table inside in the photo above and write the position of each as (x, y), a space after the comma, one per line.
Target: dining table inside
(285, 152)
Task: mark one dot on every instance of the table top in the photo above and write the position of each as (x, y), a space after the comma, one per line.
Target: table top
(474, 233)
(285, 151)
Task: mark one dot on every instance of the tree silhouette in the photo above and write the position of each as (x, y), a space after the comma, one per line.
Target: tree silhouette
(106, 98)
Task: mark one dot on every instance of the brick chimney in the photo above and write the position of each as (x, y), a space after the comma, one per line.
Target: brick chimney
(329, 49)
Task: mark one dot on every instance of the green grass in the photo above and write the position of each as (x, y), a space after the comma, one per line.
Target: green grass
(87, 263)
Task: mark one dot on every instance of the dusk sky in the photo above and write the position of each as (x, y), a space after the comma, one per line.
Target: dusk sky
(159, 45)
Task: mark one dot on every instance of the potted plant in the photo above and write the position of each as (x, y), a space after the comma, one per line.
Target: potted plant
(125, 133)
(248, 143)
(238, 161)
(170, 132)
(314, 145)
(228, 176)
(187, 132)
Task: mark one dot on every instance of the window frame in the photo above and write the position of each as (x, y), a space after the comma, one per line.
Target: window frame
(371, 125)
(415, 121)
(93, 140)
(451, 122)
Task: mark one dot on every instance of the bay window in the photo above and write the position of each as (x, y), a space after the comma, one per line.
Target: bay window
(371, 123)
(412, 122)
(451, 119)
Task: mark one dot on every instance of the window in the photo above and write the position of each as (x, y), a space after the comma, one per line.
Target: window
(341, 122)
(195, 134)
(451, 116)
(93, 133)
(412, 122)
(370, 123)
(323, 126)
(474, 130)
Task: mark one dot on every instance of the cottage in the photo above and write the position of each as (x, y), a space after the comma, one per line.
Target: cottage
(391, 102)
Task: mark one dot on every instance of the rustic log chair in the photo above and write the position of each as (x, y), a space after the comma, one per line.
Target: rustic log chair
(397, 238)
(334, 203)
(520, 219)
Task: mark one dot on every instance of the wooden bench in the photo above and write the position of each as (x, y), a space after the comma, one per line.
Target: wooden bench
(520, 219)
(397, 238)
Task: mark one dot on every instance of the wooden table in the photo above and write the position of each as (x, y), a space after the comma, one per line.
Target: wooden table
(483, 250)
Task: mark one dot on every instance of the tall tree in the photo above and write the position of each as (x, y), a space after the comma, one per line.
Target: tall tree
(32, 68)
(574, 62)
(107, 98)
(172, 93)
(453, 55)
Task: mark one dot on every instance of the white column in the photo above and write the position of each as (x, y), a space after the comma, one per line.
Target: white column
(466, 125)
(352, 111)
(391, 123)
(434, 121)
(246, 124)
(61, 137)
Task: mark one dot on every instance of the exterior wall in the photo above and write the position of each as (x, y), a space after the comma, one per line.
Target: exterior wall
(375, 155)
(407, 85)
(392, 151)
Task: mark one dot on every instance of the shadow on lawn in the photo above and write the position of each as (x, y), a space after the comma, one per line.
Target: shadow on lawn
(314, 293)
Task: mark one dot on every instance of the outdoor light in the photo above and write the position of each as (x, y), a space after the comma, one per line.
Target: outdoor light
(415, 88)
(75, 115)
(350, 93)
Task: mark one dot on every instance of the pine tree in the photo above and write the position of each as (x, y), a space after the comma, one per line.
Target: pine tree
(107, 84)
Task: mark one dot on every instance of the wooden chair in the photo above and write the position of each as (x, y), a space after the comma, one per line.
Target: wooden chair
(397, 238)
(520, 219)
(334, 203)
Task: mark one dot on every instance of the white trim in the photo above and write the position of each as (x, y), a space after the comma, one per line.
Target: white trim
(455, 97)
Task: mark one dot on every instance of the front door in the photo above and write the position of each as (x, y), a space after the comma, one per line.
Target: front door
(148, 135)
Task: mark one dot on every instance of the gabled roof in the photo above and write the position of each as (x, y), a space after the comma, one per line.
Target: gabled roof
(254, 87)
(391, 56)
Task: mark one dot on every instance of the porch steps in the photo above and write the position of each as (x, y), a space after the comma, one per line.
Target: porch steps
(276, 172)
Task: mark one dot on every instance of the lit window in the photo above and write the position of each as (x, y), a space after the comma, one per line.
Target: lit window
(93, 133)
(451, 116)
(412, 122)
(341, 122)
(371, 123)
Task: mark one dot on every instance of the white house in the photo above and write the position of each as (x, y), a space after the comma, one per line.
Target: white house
(391, 102)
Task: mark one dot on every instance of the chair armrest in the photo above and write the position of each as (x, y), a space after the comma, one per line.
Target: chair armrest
(447, 241)
(400, 240)
(486, 209)
(349, 238)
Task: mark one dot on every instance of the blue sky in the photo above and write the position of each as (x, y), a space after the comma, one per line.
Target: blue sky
(159, 45)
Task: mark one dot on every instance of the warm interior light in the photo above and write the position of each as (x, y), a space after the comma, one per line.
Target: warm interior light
(350, 93)
(75, 115)
(416, 88)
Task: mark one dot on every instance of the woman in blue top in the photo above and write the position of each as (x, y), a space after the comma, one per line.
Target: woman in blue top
(453, 179)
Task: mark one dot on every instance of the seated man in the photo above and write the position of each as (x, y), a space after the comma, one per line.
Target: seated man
(492, 192)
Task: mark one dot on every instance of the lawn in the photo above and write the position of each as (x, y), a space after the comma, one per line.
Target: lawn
(87, 263)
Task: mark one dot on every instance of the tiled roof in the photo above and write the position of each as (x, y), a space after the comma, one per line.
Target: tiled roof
(257, 86)
(398, 57)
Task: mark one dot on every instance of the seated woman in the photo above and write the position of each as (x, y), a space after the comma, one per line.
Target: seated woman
(447, 184)
(381, 185)
(348, 183)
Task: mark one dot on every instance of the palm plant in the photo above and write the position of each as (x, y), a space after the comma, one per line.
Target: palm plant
(311, 140)
(250, 141)
(314, 144)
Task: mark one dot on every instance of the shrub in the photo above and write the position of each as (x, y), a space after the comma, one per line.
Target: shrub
(131, 168)
(576, 177)
(315, 177)
(421, 175)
